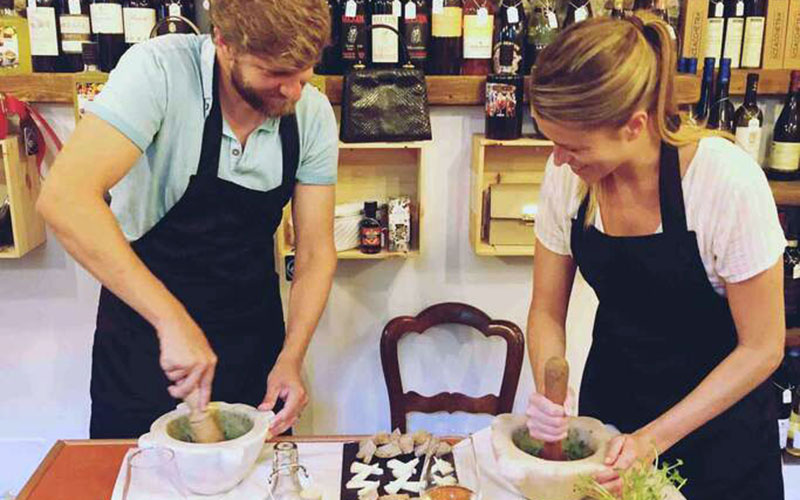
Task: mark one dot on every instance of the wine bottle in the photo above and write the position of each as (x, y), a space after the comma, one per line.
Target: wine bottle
(618, 9)
(749, 119)
(715, 29)
(720, 117)
(504, 109)
(577, 11)
(755, 20)
(139, 18)
(385, 44)
(45, 33)
(354, 18)
(700, 115)
(542, 30)
(417, 31)
(734, 32)
(175, 16)
(784, 156)
(76, 30)
(447, 37)
(640, 6)
(510, 38)
(478, 28)
(109, 32)
(330, 63)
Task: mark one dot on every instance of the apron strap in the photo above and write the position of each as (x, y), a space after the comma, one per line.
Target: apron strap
(290, 146)
(212, 133)
(673, 211)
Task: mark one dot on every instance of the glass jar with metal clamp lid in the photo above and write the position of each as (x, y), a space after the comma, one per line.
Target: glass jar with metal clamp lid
(289, 480)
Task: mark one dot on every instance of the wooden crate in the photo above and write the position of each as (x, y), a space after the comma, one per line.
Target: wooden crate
(19, 179)
(494, 162)
(373, 171)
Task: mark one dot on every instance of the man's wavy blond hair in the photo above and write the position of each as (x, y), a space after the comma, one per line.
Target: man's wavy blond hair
(292, 33)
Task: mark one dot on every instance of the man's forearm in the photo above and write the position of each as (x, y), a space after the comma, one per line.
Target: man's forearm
(307, 299)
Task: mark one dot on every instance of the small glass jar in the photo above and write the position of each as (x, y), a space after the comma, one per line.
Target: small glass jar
(286, 481)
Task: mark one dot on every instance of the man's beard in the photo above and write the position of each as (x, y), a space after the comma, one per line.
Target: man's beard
(272, 107)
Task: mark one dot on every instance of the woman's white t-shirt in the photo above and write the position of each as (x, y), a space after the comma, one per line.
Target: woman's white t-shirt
(728, 203)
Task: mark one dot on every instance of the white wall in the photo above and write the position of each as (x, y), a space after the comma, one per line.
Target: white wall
(48, 305)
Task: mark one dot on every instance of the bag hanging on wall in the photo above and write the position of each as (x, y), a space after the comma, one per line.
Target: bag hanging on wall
(384, 104)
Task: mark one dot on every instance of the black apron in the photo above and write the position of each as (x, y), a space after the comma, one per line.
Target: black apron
(214, 251)
(660, 329)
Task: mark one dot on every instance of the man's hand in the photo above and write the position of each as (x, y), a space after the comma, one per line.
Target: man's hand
(187, 358)
(285, 382)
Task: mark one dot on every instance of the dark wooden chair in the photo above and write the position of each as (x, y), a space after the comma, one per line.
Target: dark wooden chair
(401, 403)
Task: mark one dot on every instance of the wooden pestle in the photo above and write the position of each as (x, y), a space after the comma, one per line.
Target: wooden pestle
(204, 426)
(556, 376)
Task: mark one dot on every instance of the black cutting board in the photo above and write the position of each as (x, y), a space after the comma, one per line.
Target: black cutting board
(349, 452)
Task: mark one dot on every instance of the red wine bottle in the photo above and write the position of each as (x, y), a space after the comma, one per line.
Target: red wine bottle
(784, 157)
(417, 31)
(700, 115)
(385, 43)
(510, 38)
(354, 18)
(109, 31)
(331, 60)
(715, 29)
(749, 119)
(447, 37)
(478, 28)
(139, 18)
(45, 33)
(754, 22)
(734, 32)
(722, 111)
(76, 30)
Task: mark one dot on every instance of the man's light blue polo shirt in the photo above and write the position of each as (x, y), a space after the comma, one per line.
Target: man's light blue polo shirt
(159, 96)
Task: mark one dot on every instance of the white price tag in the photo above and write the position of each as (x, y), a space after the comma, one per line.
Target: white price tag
(483, 16)
(719, 9)
(796, 272)
(350, 9)
(739, 8)
(411, 10)
(513, 15)
(787, 397)
(581, 14)
(552, 20)
(75, 7)
(397, 8)
(206, 4)
(175, 10)
(438, 6)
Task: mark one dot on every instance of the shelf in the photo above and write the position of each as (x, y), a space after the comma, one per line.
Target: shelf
(442, 90)
(793, 337)
(786, 192)
(356, 254)
(486, 250)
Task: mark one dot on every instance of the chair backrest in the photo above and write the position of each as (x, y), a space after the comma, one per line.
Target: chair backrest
(401, 403)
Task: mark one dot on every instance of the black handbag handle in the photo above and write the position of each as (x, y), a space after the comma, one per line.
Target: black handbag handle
(368, 28)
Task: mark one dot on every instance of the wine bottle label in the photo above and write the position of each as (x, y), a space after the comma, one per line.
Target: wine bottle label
(397, 8)
(411, 11)
(783, 432)
(75, 30)
(138, 24)
(448, 23)
(350, 9)
(753, 41)
(749, 138)
(371, 237)
(581, 14)
(107, 18)
(416, 37)
(552, 20)
(785, 156)
(512, 15)
(716, 27)
(478, 37)
(501, 100)
(733, 40)
(74, 7)
(42, 26)
(350, 28)
(384, 42)
(175, 10)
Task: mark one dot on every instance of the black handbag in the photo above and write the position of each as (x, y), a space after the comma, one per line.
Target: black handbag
(384, 104)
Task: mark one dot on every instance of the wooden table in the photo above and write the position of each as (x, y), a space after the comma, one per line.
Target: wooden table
(87, 469)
